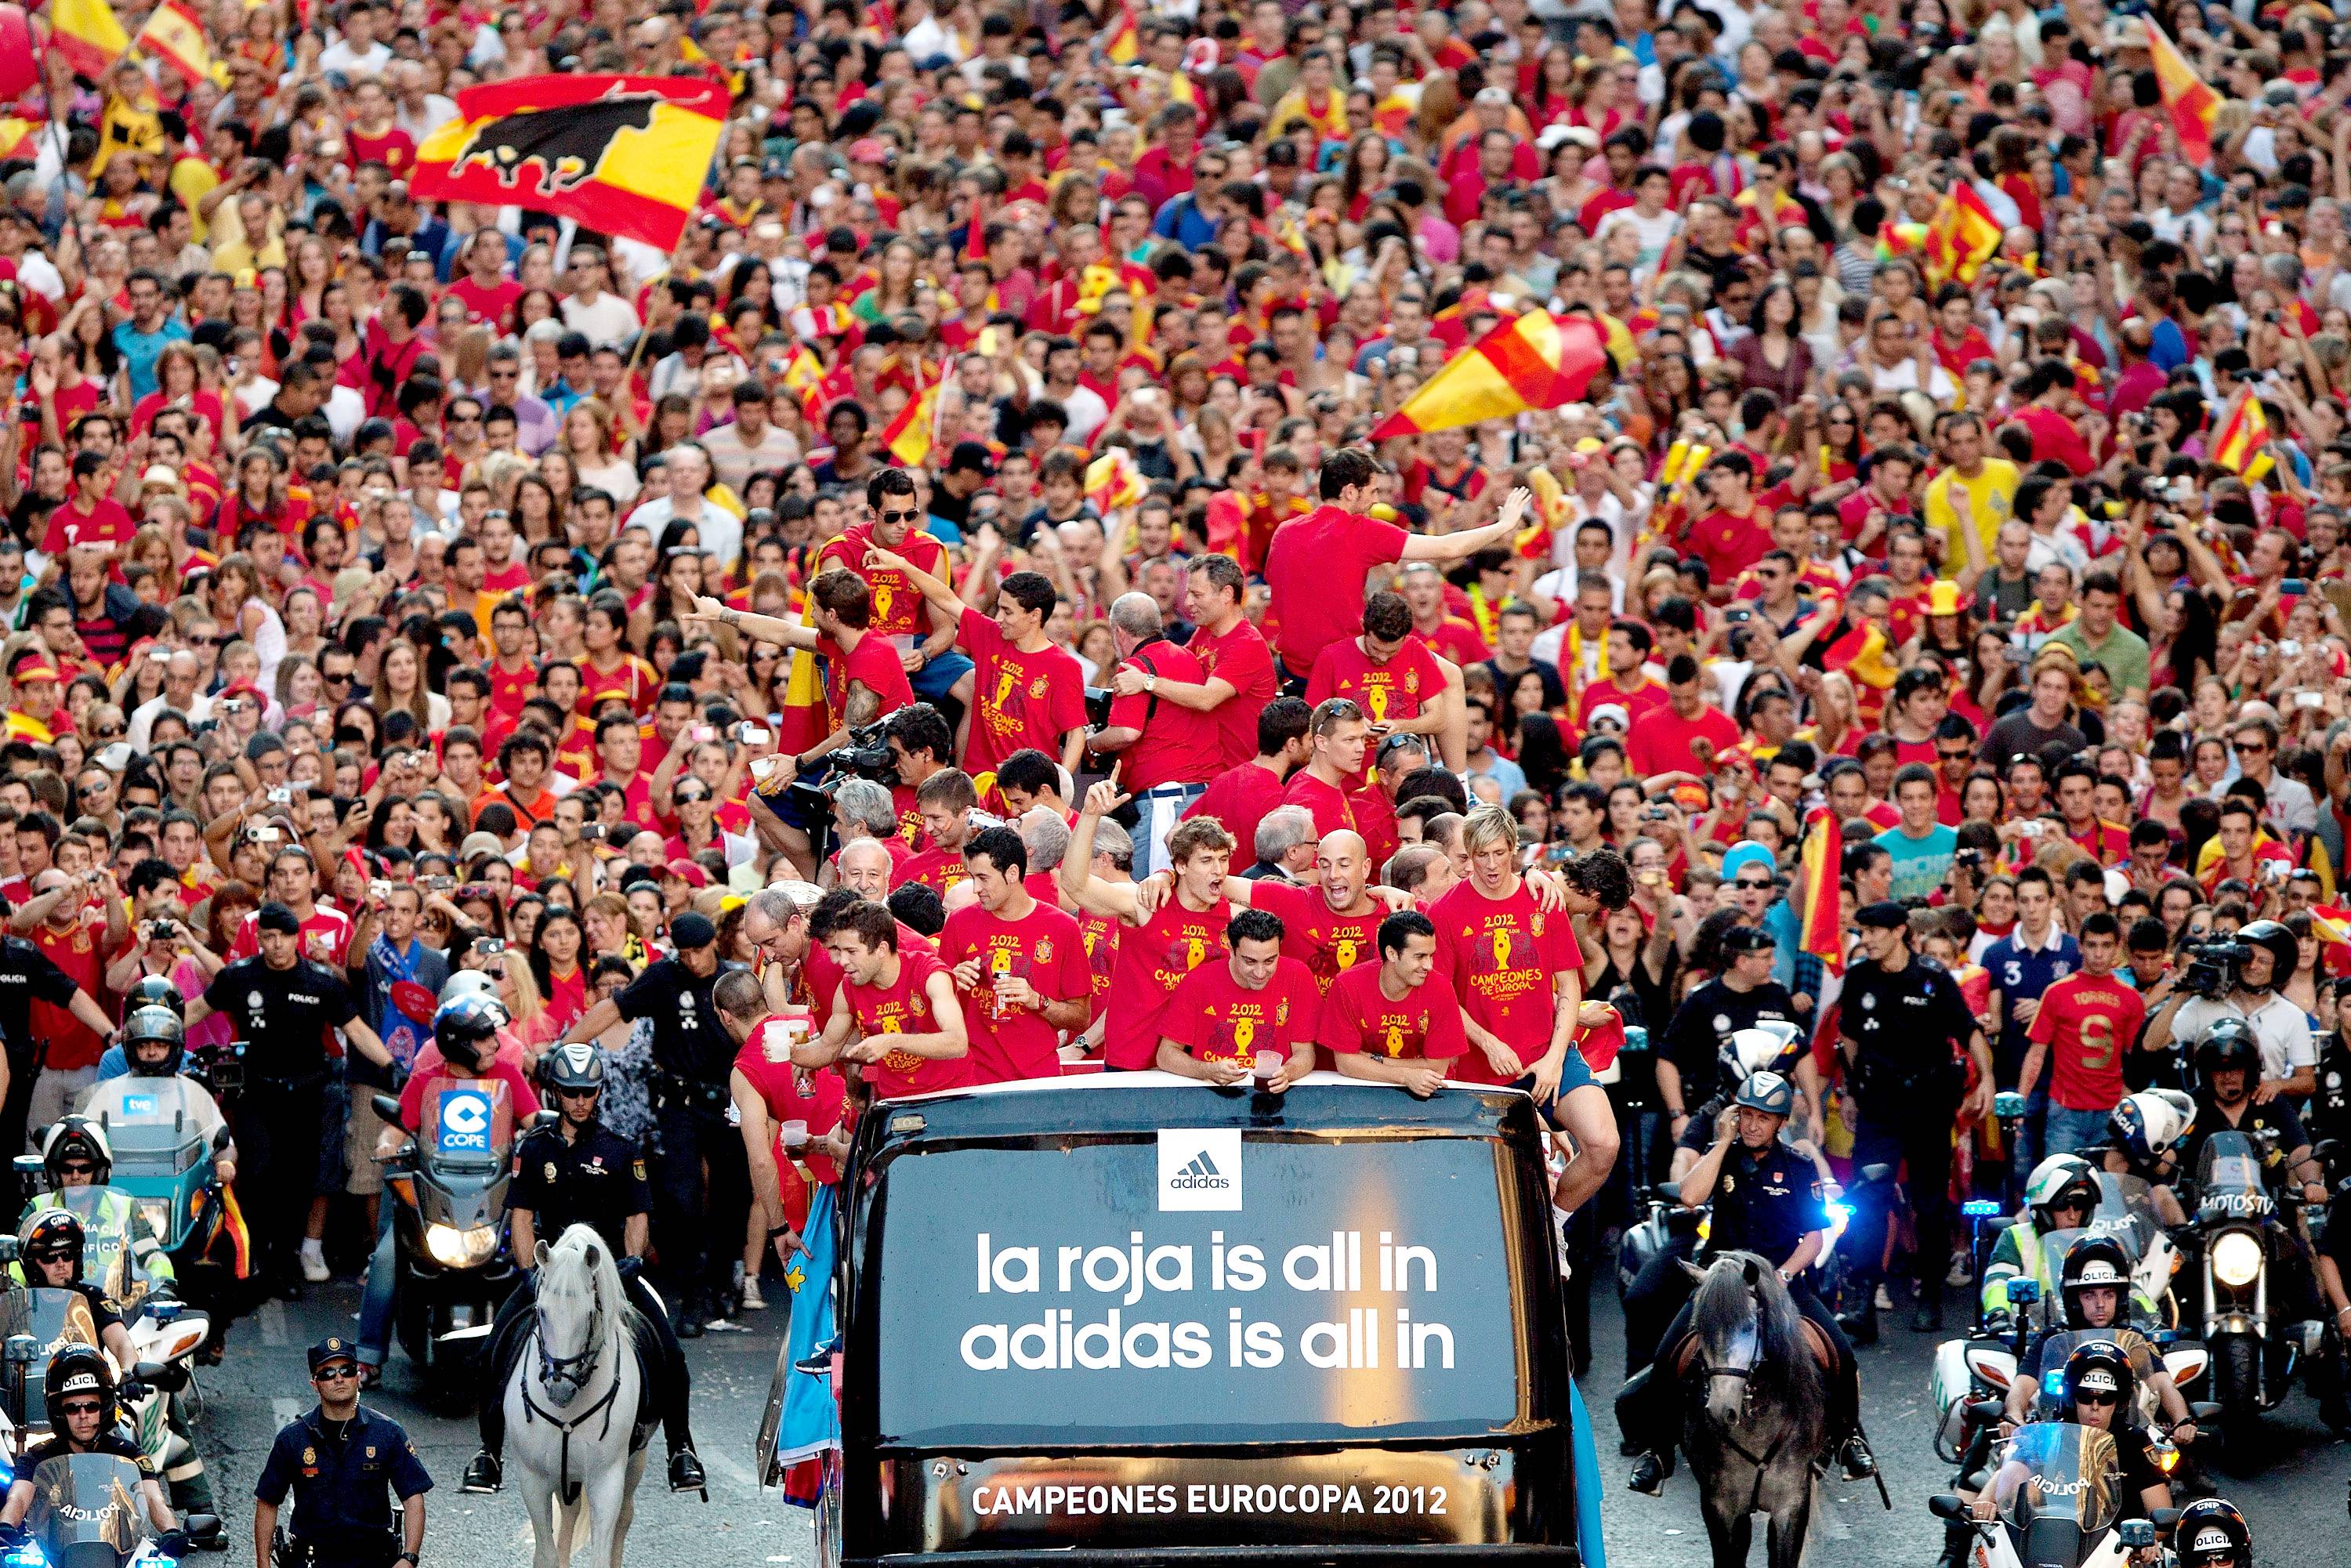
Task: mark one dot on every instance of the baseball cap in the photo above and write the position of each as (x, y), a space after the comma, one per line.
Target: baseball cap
(692, 929)
(692, 875)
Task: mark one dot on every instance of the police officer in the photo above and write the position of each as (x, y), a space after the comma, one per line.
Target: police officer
(1903, 1025)
(2212, 1533)
(84, 1418)
(344, 1464)
(580, 1172)
(282, 1005)
(1766, 1199)
(700, 1233)
(49, 1247)
(77, 1157)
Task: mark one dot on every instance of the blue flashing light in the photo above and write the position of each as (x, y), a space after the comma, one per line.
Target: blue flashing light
(27, 1556)
(1979, 1208)
(1841, 1212)
(2054, 1382)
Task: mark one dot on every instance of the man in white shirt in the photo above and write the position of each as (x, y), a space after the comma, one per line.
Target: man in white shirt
(357, 53)
(688, 467)
(180, 678)
(1897, 364)
(603, 318)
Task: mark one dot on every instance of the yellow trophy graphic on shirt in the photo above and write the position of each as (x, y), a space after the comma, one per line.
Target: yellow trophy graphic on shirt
(883, 594)
(1391, 1042)
(1243, 1031)
(1194, 951)
(1000, 962)
(901, 1062)
(1502, 948)
(1003, 690)
(1376, 697)
(1344, 955)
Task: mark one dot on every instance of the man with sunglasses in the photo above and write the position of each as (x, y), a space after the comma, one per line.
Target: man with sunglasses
(580, 1172)
(343, 1465)
(83, 1419)
(925, 633)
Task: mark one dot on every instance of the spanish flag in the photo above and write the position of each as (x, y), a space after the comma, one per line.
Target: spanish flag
(16, 138)
(1125, 40)
(174, 36)
(802, 372)
(1960, 236)
(86, 34)
(623, 156)
(1113, 481)
(2242, 443)
(2192, 105)
(908, 437)
(1537, 360)
(1822, 935)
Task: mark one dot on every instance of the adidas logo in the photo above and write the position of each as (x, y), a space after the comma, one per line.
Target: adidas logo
(1200, 1174)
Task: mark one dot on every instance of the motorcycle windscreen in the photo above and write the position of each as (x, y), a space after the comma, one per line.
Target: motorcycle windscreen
(105, 1243)
(1205, 1288)
(52, 1318)
(2228, 1164)
(147, 1137)
(2050, 1311)
(2072, 1478)
(466, 1123)
(2060, 1347)
(82, 1501)
(2126, 1211)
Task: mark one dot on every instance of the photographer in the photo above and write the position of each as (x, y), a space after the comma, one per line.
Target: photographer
(2238, 980)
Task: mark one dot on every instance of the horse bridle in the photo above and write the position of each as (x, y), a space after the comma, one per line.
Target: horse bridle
(557, 1371)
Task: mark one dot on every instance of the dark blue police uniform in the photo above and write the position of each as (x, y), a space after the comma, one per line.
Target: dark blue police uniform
(346, 1478)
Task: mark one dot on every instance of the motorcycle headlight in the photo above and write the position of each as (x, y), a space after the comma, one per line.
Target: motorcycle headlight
(456, 1249)
(2237, 1259)
(157, 1212)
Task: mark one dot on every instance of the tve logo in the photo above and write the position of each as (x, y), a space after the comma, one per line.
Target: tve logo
(1199, 1168)
(464, 1122)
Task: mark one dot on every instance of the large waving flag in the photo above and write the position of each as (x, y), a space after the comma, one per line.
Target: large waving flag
(624, 156)
(175, 36)
(1960, 236)
(2242, 443)
(86, 34)
(1823, 929)
(2192, 105)
(1537, 361)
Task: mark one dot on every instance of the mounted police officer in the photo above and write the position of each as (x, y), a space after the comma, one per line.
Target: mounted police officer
(1765, 1198)
(344, 1466)
(580, 1172)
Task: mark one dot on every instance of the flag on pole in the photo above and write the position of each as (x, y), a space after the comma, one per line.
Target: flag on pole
(2242, 443)
(2192, 105)
(1960, 236)
(1537, 360)
(1126, 41)
(174, 36)
(623, 156)
(1822, 934)
(908, 437)
(86, 34)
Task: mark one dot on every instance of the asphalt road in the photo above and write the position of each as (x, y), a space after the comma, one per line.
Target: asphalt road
(2296, 1504)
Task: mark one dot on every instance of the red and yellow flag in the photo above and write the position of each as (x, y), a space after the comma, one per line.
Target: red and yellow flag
(175, 36)
(1960, 236)
(1126, 42)
(16, 138)
(908, 437)
(1823, 929)
(624, 156)
(1537, 361)
(86, 34)
(2242, 443)
(2192, 105)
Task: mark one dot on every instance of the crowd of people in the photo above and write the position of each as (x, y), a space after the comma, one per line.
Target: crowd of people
(962, 585)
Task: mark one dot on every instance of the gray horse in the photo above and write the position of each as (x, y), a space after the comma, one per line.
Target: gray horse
(1754, 1424)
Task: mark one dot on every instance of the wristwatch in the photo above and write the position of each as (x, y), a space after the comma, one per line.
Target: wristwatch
(405, 1556)
(1151, 682)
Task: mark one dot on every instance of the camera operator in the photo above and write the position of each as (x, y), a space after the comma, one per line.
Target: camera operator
(1170, 752)
(2238, 979)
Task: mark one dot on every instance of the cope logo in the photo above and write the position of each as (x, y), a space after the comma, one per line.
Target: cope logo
(464, 1122)
(1199, 1170)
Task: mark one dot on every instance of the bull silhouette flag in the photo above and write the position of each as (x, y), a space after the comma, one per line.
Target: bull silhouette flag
(624, 156)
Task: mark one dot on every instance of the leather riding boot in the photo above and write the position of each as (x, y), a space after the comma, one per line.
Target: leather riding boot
(1859, 1463)
(1959, 1539)
(1649, 1473)
(484, 1474)
(685, 1473)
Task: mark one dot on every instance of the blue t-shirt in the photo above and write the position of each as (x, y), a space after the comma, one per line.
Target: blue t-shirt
(2021, 975)
(1919, 865)
(141, 351)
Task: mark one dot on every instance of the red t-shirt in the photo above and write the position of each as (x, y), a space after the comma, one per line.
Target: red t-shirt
(1100, 934)
(1215, 1019)
(1730, 544)
(1316, 567)
(1330, 805)
(1661, 742)
(1176, 745)
(509, 689)
(1241, 659)
(777, 1085)
(1397, 690)
(905, 1008)
(899, 608)
(394, 149)
(1043, 947)
(71, 1043)
(934, 868)
(1328, 943)
(1638, 704)
(822, 975)
(631, 680)
(2087, 1021)
(1503, 953)
(325, 937)
(1425, 1025)
(104, 523)
(1153, 960)
(1240, 797)
(493, 306)
(874, 662)
(1019, 700)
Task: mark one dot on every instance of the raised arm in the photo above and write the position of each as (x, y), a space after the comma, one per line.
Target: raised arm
(1113, 899)
(1442, 548)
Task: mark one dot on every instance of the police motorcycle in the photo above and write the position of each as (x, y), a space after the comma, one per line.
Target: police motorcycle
(448, 1187)
(2254, 1355)
(89, 1510)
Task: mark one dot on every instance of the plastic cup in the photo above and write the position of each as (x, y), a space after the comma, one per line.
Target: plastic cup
(796, 1134)
(776, 1043)
(1268, 1066)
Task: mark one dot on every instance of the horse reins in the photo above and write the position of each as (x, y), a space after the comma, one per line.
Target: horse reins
(555, 1369)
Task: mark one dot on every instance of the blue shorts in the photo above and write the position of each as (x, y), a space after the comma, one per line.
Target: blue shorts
(1575, 1073)
(932, 681)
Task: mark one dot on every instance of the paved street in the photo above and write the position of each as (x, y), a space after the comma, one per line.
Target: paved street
(2296, 1505)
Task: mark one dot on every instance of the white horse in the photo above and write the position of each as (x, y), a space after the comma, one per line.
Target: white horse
(572, 1406)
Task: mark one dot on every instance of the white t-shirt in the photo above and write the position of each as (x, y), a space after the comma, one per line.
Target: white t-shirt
(606, 321)
(1655, 234)
(2282, 1029)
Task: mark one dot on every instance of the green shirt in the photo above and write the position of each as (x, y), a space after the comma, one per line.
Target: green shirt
(2123, 655)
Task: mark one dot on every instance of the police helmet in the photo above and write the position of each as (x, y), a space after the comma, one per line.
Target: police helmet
(2094, 1263)
(50, 1234)
(2285, 949)
(2060, 1178)
(2212, 1531)
(2147, 1124)
(153, 991)
(1768, 1093)
(154, 1023)
(578, 1067)
(2100, 1366)
(80, 1369)
(2229, 1043)
(72, 1136)
(466, 1030)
